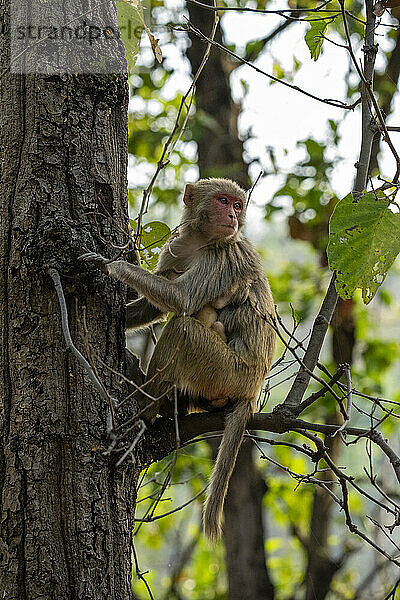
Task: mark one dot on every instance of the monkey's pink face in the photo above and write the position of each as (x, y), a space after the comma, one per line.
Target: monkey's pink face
(225, 214)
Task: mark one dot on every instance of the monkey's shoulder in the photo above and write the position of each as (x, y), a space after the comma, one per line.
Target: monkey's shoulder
(238, 256)
(172, 263)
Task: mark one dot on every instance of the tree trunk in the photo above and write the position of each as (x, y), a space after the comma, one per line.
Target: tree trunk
(66, 512)
(220, 151)
(244, 533)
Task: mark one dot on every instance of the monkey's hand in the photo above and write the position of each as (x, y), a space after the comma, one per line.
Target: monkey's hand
(97, 260)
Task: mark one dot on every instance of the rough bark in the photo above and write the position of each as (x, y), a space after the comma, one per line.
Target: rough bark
(65, 524)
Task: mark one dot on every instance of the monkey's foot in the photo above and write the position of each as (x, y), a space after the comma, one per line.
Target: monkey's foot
(96, 259)
(219, 402)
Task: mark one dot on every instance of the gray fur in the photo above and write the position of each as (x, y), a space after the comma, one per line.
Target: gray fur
(193, 273)
(235, 426)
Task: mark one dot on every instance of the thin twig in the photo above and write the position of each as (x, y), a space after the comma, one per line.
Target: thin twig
(250, 192)
(176, 415)
(331, 102)
(348, 407)
(320, 327)
(354, 529)
(174, 510)
(311, 399)
(140, 574)
(133, 444)
(70, 345)
(262, 10)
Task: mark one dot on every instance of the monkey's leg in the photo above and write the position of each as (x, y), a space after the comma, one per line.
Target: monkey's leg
(195, 359)
(141, 312)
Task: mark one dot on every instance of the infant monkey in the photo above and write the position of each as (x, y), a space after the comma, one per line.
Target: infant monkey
(208, 316)
(219, 343)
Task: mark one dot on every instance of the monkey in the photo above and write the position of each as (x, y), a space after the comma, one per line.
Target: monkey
(218, 346)
(171, 268)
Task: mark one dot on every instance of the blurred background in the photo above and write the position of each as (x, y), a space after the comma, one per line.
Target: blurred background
(292, 541)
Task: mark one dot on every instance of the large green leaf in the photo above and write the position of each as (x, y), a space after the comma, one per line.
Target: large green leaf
(130, 23)
(364, 240)
(314, 37)
(152, 238)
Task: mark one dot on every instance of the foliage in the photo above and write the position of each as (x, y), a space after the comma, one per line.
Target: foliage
(169, 538)
(130, 23)
(315, 37)
(364, 241)
(301, 282)
(150, 240)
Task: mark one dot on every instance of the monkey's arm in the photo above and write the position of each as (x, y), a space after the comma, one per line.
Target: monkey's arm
(183, 295)
(166, 295)
(141, 312)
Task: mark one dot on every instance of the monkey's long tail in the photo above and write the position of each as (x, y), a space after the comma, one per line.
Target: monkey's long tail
(235, 427)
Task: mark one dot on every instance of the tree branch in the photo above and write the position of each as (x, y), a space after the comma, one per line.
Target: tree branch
(160, 438)
(311, 356)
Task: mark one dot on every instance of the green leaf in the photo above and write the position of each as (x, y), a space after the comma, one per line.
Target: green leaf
(364, 240)
(278, 71)
(254, 49)
(296, 64)
(130, 23)
(152, 239)
(314, 39)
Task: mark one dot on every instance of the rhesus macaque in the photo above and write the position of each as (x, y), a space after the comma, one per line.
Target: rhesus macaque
(218, 346)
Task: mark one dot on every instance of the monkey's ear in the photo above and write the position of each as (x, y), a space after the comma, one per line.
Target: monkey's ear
(189, 193)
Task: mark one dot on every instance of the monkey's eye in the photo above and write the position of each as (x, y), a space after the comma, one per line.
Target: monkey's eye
(238, 205)
(223, 200)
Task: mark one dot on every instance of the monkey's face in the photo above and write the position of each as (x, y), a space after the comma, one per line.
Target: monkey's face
(225, 215)
(215, 207)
